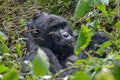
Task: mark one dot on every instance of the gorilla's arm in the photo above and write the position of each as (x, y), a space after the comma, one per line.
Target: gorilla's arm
(54, 63)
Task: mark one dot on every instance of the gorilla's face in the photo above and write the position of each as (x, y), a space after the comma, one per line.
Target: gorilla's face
(61, 35)
(55, 33)
(62, 38)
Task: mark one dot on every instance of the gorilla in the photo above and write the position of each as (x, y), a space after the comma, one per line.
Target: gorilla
(54, 36)
(97, 39)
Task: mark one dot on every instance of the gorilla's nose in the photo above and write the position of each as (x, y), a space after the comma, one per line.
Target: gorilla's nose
(65, 35)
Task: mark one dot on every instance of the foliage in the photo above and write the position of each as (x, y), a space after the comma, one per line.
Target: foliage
(11, 75)
(81, 75)
(88, 17)
(38, 63)
(83, 39)
(82, 7)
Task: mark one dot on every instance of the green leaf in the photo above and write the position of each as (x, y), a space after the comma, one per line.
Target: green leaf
(118, 25)
(22, 22)
(104, 45)
(98, 67)
(116, 69)
(83, 39)
(3, 37)
(102, 8)
(3, 48)
(79, 75)
(40, 63)
(18, 49)
(82, 8)
(11, 75)
(104, 74)
(3, 68)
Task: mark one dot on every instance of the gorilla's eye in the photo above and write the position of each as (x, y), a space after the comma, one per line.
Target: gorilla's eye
(54, 28)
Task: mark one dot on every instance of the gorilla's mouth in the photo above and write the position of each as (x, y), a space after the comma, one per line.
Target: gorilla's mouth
(68, 45)
(65, 43)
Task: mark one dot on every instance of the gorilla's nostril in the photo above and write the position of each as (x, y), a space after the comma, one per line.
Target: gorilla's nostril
(65, 35)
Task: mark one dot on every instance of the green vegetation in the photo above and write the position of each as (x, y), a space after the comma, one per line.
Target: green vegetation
(86, 17)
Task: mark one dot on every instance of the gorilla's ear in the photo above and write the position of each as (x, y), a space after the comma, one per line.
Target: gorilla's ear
(36, 15)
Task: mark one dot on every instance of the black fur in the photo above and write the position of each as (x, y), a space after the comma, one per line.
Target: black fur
(53, 35)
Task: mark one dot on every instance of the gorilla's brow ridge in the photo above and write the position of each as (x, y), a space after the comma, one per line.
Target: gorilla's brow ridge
(60, 25)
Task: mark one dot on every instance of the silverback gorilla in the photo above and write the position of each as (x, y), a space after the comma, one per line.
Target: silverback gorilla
(54, 36)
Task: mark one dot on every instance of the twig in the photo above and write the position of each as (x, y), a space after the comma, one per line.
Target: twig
(66, 69)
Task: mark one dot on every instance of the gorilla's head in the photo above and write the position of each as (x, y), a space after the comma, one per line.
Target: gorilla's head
(53, 32)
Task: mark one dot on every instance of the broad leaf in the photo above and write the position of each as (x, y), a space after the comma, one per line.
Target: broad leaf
(3, 48)
(104, 74)
(3, 68)
(18, 49)
(118, 25)
(83, 39)
(116, 69)
(104, 45)
(79, 75)
(3, 37)
(82, 8)
(102, 8)
(40, 63)
(11, 75)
